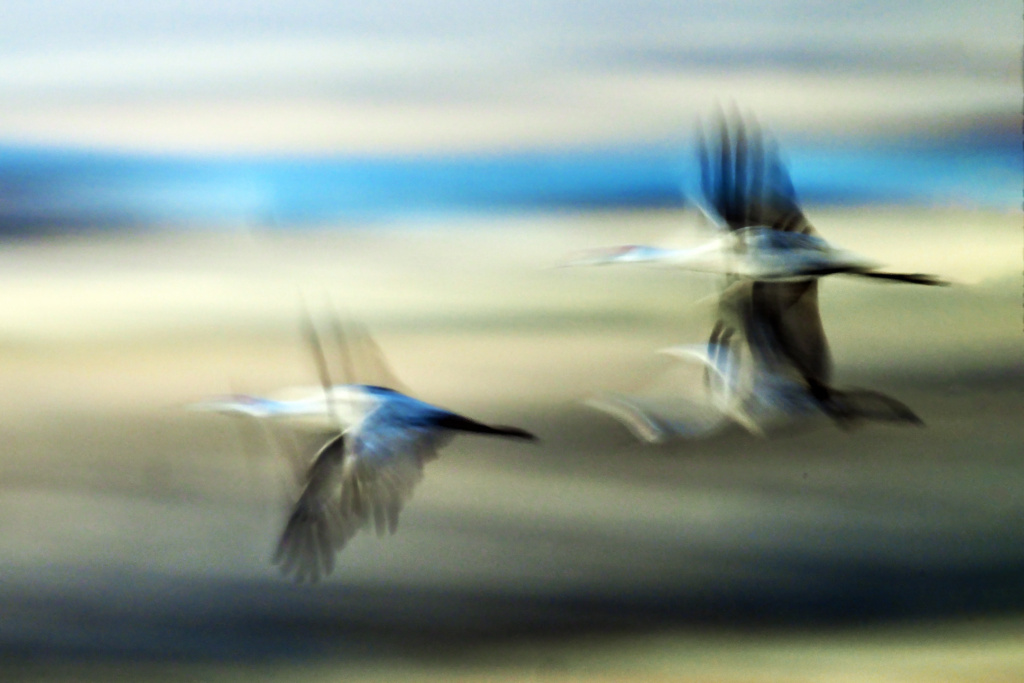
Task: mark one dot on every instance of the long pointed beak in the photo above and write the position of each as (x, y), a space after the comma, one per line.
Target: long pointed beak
(236, 404)
(630, 253)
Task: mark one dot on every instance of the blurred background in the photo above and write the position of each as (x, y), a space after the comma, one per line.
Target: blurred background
(176, 177)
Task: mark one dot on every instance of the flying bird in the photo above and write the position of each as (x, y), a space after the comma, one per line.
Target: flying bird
(767, 360)
(367, 468)
(752, 382)
(749, 198)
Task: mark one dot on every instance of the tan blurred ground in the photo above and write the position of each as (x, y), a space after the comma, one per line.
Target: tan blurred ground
(113, 495)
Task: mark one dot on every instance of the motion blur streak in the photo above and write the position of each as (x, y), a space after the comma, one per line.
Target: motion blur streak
(423, 165)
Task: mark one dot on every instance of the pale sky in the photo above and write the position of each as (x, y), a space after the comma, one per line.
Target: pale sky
(407, 75)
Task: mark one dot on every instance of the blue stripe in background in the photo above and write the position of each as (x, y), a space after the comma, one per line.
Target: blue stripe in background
(48, 190)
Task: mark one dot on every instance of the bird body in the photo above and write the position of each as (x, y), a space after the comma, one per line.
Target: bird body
(754, 252)
(365, 476)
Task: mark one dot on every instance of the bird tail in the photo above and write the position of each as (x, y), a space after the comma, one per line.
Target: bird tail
(849, 407)
(910, 278)
(464, 424)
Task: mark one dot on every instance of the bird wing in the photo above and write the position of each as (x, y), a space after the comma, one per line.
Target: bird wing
(744, 180)
(389, 451)
(788, 313)
(364, 476)
(315, 529)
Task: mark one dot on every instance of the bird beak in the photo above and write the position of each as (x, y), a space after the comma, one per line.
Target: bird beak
(629, 253)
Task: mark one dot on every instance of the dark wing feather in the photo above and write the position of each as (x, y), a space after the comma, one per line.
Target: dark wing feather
(315, 529)
(386, 465)
(790, 312)
(749, 185)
